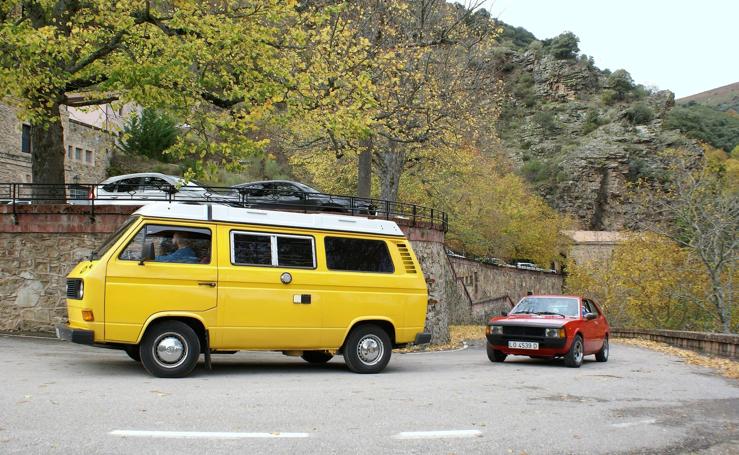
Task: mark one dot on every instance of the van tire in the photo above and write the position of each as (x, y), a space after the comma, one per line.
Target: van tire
(181, 339)
(316, 357)
(133, 351)
(367, 349)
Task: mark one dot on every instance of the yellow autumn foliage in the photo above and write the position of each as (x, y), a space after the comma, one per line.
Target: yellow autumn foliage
(492, 211)
(649, 282)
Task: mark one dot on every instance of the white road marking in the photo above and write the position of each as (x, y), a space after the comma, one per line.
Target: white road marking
(633, 424)
(438, 434)
(203, 434)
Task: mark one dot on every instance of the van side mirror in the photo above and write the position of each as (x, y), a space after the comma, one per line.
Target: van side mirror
(590, 316)
(147, 253)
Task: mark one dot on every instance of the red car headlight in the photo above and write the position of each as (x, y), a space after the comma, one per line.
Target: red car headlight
(555, 333)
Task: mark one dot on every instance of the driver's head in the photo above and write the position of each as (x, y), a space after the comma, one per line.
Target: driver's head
(181, 239)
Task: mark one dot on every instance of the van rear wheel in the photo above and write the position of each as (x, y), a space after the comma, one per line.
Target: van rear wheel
(367, 349)
(170, 349)
(316, 357)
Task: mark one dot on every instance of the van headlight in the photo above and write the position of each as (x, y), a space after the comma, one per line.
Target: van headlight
(496, 330)
(554, 333)
(75, 288)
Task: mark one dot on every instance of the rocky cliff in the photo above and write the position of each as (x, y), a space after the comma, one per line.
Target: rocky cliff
(579, 134)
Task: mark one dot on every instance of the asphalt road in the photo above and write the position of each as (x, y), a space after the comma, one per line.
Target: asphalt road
(58, 398)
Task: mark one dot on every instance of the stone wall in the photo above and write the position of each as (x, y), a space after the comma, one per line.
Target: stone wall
(490, 289)
(721, 344)
(593, 247)
(33, 267)
(87, 150)
(38, 252)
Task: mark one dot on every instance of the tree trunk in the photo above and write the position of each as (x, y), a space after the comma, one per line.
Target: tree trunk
(364, 174)
(47, 157)
(391, 164)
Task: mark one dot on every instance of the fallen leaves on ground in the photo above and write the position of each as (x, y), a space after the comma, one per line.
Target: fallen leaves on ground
(458, 334)
(726, 367)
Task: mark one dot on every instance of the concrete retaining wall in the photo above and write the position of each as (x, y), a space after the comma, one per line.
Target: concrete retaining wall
(721, 344)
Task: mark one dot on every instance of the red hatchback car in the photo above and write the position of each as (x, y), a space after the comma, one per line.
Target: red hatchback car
(549, 326)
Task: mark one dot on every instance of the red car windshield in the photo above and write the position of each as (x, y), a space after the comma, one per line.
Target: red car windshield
(562, 306)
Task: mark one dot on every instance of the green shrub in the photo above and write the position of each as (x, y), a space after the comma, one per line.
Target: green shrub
(564, 46)
(621, 83)
(547, 120)
(719, 129)
(592, 122)
(639, 114)
(608, 97)
(149, 134)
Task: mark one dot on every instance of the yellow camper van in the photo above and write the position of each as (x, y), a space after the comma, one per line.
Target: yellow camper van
(177, 280)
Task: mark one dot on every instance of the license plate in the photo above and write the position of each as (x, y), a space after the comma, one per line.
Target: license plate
(523, 345)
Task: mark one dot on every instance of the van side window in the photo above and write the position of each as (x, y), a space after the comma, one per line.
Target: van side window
(252, 249)
(177, 244)
(294, 252)
(272, 250)
(358, 255)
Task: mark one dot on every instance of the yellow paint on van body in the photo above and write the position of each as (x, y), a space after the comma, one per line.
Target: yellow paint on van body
(248, 307)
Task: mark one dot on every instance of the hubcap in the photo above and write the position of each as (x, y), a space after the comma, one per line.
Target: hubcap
(578, 351)
(170, 350)
(370, 349)
(605, 348)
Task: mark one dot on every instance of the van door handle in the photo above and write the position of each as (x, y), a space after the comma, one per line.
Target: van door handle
(207, 283)
(304, 299)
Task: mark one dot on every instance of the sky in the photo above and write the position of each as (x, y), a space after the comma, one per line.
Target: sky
(686, 46)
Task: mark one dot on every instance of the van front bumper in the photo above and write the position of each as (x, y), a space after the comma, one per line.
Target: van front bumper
(79, 336)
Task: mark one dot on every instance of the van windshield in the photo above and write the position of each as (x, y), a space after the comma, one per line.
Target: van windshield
(95, 254)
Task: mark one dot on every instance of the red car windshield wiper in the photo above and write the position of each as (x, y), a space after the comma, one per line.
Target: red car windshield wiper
(549, 312)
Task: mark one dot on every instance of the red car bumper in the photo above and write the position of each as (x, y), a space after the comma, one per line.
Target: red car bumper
(548, 347)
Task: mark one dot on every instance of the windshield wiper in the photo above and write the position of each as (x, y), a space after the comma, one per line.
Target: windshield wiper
(523, 312)
(549, 312)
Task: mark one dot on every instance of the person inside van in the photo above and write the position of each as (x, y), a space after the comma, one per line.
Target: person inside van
(184, 252)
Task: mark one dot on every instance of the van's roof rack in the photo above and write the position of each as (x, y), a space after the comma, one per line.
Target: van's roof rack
(225, 213)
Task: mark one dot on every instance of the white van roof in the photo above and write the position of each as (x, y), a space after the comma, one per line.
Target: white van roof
(219, 212)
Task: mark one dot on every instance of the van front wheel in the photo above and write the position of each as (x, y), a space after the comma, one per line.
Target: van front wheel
(367, 349)
(170, 349)
(133, 351)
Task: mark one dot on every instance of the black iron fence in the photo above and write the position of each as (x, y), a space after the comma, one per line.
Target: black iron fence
(95, 195)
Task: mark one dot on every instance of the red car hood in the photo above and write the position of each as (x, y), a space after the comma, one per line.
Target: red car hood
(532, 320)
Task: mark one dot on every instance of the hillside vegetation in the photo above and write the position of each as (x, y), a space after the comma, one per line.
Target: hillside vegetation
(724, 99)
(579, 134)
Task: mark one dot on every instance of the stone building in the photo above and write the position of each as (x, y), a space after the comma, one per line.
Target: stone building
(591, 247)
(88, 143)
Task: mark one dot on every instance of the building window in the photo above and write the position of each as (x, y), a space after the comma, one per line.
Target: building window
(78, 154)
(26, 139)
(69, 152)
(88, 156)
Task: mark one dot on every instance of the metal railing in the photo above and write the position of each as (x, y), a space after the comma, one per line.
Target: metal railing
(94, 195)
